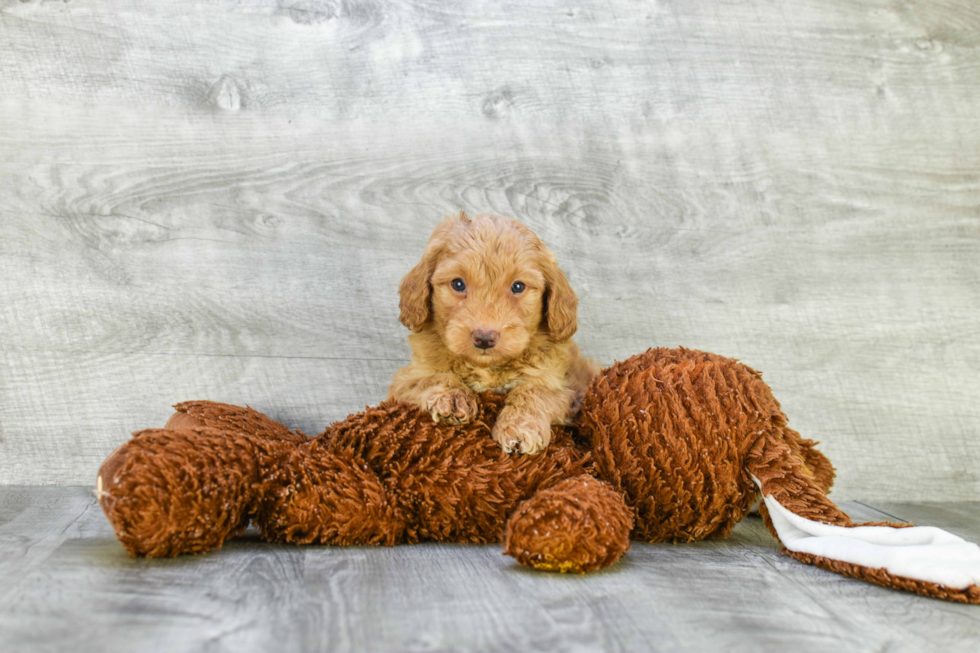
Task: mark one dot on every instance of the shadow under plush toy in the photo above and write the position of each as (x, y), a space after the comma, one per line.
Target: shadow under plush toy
(671, 445)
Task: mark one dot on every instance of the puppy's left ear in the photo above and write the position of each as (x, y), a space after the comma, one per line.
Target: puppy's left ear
(561, 304)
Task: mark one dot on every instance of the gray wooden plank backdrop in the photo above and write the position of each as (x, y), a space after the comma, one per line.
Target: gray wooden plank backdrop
(218, 199)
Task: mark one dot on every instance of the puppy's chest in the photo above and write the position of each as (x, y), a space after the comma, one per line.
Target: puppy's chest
(480, 380)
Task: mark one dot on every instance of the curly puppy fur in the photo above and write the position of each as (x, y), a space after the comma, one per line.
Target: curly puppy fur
(491, 310)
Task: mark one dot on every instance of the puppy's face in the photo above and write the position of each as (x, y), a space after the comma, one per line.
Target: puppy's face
(487, 284)
(487, 299)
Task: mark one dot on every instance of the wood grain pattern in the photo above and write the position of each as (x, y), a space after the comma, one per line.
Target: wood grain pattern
(217, 200)
(74, 587)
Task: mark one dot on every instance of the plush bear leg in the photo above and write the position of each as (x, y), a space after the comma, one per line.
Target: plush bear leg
(780, 470)
(813, 530)
(689, 437)
(667, 429)
(579, 524)
(189, 487)
(821, 470)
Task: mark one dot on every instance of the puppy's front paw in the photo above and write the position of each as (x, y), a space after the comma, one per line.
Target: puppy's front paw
(523, 432)
(449, 405)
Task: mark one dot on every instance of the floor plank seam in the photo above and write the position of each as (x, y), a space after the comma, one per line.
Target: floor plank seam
(887, 514)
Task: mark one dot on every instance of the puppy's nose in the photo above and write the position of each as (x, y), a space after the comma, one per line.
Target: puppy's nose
(484, 339)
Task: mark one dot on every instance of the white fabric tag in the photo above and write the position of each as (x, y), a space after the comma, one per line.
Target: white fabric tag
(920, 552)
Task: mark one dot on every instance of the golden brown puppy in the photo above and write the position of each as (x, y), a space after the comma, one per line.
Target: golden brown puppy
(491, 311)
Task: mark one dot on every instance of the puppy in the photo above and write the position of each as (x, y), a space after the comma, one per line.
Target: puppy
(490, 310)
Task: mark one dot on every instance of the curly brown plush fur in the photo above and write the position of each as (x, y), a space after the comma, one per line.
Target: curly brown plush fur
(388, 475)
(679, 432)
(666, 448)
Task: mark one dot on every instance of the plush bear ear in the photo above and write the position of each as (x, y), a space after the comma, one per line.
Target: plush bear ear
(561, 304)
(415, 290)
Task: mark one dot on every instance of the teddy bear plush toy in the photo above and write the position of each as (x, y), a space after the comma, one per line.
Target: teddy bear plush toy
(672, 445)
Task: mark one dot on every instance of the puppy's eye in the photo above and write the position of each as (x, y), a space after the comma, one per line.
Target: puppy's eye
(459, 285)
(517, 287)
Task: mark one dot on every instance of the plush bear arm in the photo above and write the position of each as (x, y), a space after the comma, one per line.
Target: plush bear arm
(168, 492)
(245, 420)
(192, 485)
(580, 524)
(327, 495)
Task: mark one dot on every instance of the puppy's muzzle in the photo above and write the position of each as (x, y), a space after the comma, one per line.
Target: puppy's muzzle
(484, 339)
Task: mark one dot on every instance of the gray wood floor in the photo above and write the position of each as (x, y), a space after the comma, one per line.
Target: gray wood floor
(66, 585)
(218, 199)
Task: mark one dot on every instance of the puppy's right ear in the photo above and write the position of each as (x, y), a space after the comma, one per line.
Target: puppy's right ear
(415, 292)
(416, 289)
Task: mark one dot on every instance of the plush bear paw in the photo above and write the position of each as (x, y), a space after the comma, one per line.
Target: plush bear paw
(521, 431)
(580, 524)
(449, 405)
